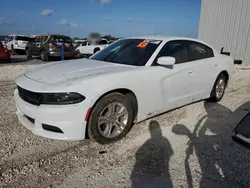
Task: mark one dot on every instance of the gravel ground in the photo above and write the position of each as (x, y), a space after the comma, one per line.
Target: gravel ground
(187, 147)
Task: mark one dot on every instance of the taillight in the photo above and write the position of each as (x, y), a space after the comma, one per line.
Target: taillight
(51, 45)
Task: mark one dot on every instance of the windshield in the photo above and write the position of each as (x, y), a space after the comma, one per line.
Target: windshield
(128, 52)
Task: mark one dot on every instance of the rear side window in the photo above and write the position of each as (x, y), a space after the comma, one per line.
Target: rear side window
(60, 39)
(199, 51)
(45, 38)
(103, 42)
(23, 38)
(176, 49)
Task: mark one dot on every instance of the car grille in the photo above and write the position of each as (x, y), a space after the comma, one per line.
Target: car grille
(29, 96)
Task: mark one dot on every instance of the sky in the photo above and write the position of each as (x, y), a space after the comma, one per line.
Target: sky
(120, 18)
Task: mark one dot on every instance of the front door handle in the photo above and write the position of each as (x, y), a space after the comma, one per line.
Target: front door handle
(190, 72)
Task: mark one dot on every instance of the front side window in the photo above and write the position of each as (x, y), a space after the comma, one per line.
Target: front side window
(85, 43)
(176, 49)
(134, 52)
(199, 51)
(103, 42)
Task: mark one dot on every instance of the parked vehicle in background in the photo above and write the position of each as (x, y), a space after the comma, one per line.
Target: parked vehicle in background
(131, 80)
(4, 53)
(4, 39)
(78, 43)
(91, 47)
(17, 43)
(48, 45)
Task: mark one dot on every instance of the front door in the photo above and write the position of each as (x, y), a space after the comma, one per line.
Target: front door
(177, 82)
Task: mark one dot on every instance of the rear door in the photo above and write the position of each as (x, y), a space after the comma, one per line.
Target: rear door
(36, 45)
(22, 41)
(205, 68)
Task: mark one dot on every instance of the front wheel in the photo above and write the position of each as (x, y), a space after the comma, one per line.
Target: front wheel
(13, 51)
(111, 119)
(28, 54)
(78, 54)
(218, 89)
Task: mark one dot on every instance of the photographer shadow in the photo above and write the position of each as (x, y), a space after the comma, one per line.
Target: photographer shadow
(151, 169)
(223, 163)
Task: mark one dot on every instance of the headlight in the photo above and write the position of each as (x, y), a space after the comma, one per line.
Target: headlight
(62, 98)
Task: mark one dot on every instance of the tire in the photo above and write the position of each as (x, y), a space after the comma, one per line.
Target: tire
(78, 55)
(96, 50)
(97, 125)
(28, 54)
(44, 56)
(13, 51)
(219, 87)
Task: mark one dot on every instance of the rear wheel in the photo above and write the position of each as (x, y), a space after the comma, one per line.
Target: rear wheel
(44, 56)
(218, 89)
(111, 119)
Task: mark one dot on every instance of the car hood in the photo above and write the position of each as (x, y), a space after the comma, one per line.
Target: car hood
(73, 70)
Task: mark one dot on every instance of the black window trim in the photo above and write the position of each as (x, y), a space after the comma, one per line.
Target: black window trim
(170, 41)
(204, 45)
(187, 43)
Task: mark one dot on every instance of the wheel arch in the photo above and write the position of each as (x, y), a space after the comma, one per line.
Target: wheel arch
(225, 73)
(96, 49)
(127, 92)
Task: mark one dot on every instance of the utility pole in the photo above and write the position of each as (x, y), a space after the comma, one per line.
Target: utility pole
(68, 30)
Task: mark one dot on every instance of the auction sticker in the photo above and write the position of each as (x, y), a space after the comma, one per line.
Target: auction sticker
(142, 44)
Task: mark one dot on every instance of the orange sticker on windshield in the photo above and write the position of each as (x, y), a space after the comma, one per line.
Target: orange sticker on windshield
(142, 45)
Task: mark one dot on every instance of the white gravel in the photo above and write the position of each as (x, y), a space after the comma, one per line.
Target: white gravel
(189, 147)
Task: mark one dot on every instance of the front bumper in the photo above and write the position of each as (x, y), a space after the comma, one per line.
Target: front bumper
(70, 119)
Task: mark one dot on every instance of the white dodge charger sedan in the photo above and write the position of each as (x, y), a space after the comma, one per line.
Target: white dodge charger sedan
(131, 80)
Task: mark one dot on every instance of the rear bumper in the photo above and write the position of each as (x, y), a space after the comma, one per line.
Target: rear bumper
(59, 54)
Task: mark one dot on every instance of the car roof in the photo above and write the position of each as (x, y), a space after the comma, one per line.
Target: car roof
(40, 35)
(168, 38)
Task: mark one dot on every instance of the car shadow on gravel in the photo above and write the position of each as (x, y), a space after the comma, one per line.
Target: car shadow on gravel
(151, 168)
(14, 60)
(223, 163)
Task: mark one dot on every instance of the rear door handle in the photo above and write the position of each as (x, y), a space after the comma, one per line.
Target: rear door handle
(216, 64)
(190, 72)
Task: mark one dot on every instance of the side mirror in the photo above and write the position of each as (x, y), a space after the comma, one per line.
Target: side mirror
(166, 60)
(241, 133)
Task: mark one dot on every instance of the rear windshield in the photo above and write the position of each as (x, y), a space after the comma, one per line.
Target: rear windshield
(23, 38)
(134, 52)
(60, 39)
